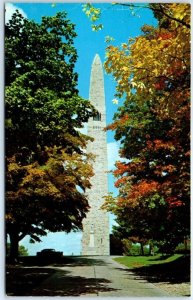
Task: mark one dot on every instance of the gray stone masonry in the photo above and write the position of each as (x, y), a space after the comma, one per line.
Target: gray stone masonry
(95, 240)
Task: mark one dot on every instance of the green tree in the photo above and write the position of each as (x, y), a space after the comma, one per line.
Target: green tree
(47, 169)
(22, 250)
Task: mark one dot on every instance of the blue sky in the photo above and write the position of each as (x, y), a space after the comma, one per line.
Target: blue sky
(119, 23)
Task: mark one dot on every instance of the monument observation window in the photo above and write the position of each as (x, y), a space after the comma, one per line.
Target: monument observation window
(97, 117)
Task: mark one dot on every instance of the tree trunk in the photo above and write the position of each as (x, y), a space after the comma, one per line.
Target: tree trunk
(14, 246)
(6, 248)
(185, 244)
(151, 250)
(142, 251)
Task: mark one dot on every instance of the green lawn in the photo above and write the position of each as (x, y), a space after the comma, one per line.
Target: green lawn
(174, 268)
(142, 261)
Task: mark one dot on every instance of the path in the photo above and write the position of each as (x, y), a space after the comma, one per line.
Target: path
(95, 276)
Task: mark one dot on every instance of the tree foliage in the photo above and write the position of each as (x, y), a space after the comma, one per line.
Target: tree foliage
(22, 250)
(47, 168)
(152, 73)
(93, 14)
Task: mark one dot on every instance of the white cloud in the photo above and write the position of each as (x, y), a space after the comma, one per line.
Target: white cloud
(10, 10)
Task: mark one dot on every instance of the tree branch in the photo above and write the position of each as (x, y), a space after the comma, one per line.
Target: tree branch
(170, 17)
(158, 10)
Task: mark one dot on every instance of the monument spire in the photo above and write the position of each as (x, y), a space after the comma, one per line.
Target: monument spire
(97, 94)
(95, 240)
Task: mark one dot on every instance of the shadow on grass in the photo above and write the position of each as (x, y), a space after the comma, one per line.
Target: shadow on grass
(163, 257)
(177, 271)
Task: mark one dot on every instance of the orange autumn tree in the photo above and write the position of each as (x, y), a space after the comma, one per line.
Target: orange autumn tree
(152, 73)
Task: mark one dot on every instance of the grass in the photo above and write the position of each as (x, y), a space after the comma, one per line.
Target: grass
(142, 261)
(172, 269)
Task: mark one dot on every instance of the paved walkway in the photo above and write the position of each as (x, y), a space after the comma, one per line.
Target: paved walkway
(96, 276)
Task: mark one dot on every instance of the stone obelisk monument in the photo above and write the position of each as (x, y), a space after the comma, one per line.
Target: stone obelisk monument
(95, 240)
